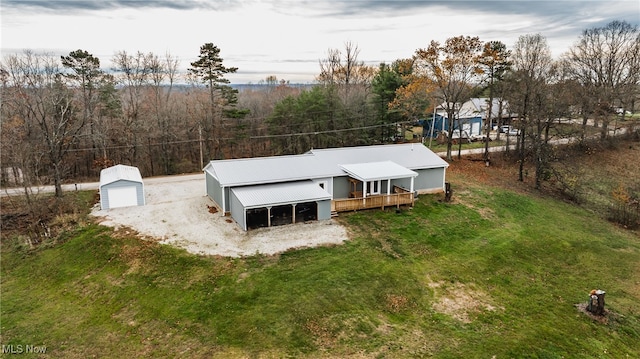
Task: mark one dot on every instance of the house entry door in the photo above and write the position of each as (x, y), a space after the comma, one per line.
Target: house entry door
(373, 187)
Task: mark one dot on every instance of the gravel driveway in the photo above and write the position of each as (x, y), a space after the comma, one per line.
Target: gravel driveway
(177, 213)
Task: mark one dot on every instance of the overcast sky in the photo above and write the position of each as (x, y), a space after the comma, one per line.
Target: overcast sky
(287, 38)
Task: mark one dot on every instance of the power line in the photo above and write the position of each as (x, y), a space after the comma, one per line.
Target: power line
(329, 131)
(249, 137)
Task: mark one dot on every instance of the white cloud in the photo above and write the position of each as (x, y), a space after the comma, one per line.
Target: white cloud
(288, 38)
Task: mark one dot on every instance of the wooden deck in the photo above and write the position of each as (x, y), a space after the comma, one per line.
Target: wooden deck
(375, 201)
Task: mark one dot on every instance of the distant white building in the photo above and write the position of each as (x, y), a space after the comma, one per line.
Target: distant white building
(121, 186)
(472, 115)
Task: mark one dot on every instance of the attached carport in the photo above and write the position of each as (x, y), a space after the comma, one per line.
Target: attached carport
(279, 204)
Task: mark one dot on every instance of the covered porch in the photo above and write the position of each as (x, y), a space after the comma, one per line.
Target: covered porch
(372, 186)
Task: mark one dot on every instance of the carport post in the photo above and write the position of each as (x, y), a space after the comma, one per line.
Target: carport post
(293, 213)
(268, 216)
(245, 226)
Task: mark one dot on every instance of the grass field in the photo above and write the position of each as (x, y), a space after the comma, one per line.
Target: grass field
(494, 274)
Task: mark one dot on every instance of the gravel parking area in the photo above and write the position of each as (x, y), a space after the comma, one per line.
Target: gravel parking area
(177, 213)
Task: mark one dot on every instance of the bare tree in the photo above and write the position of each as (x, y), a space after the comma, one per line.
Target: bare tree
(347, 80)
(531, 63)
(48, 110)
(345, 70)
(605, 61)
(163, 73)
(132, 72)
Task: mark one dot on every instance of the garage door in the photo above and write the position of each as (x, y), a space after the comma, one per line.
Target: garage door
(122, 197)
(475, 128)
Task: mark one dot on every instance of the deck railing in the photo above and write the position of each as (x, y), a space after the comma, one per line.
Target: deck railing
(373, 201)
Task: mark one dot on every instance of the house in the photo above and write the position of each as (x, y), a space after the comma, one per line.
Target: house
(121, 186)
(268, 191)
(471, 117)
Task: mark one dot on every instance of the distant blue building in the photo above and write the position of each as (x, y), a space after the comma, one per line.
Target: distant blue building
(433, 128)
(470, 117)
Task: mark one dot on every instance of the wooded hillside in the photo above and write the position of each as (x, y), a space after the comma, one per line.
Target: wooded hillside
(64, 119)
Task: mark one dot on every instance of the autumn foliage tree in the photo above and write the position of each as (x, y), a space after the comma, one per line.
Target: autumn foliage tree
(453, 69)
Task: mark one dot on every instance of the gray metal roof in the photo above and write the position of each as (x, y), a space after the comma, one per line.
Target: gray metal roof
(373, 171)
(478, 107)
(409, 155)
(319, 163)
(280, 193)
(260, 170)
(120, 172)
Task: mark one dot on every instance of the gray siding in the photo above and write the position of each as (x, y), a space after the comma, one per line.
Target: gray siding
(213, 189)
(237, 211)
(430, 180)
(104, 198)
(341, 187)
(327, 181)
(226, 192)
(324, 210)
(404, 183)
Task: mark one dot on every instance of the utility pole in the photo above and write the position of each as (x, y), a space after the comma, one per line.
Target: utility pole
(200, 142)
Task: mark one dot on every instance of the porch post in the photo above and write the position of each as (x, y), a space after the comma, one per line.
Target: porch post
(386, 198)
(412, 196)
(268, 216)
(364, 193)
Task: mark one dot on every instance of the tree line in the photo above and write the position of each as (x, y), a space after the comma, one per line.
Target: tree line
(65, 118)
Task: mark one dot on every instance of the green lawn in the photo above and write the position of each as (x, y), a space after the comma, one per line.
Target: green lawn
(492, 274)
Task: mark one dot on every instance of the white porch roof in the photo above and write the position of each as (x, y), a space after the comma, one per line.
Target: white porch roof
(374, 171)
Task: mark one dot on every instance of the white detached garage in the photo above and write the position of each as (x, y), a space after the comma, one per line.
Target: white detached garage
(121, 186)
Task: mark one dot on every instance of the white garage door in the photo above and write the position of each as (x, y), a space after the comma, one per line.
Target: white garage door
(475, 128)
(122, 197)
